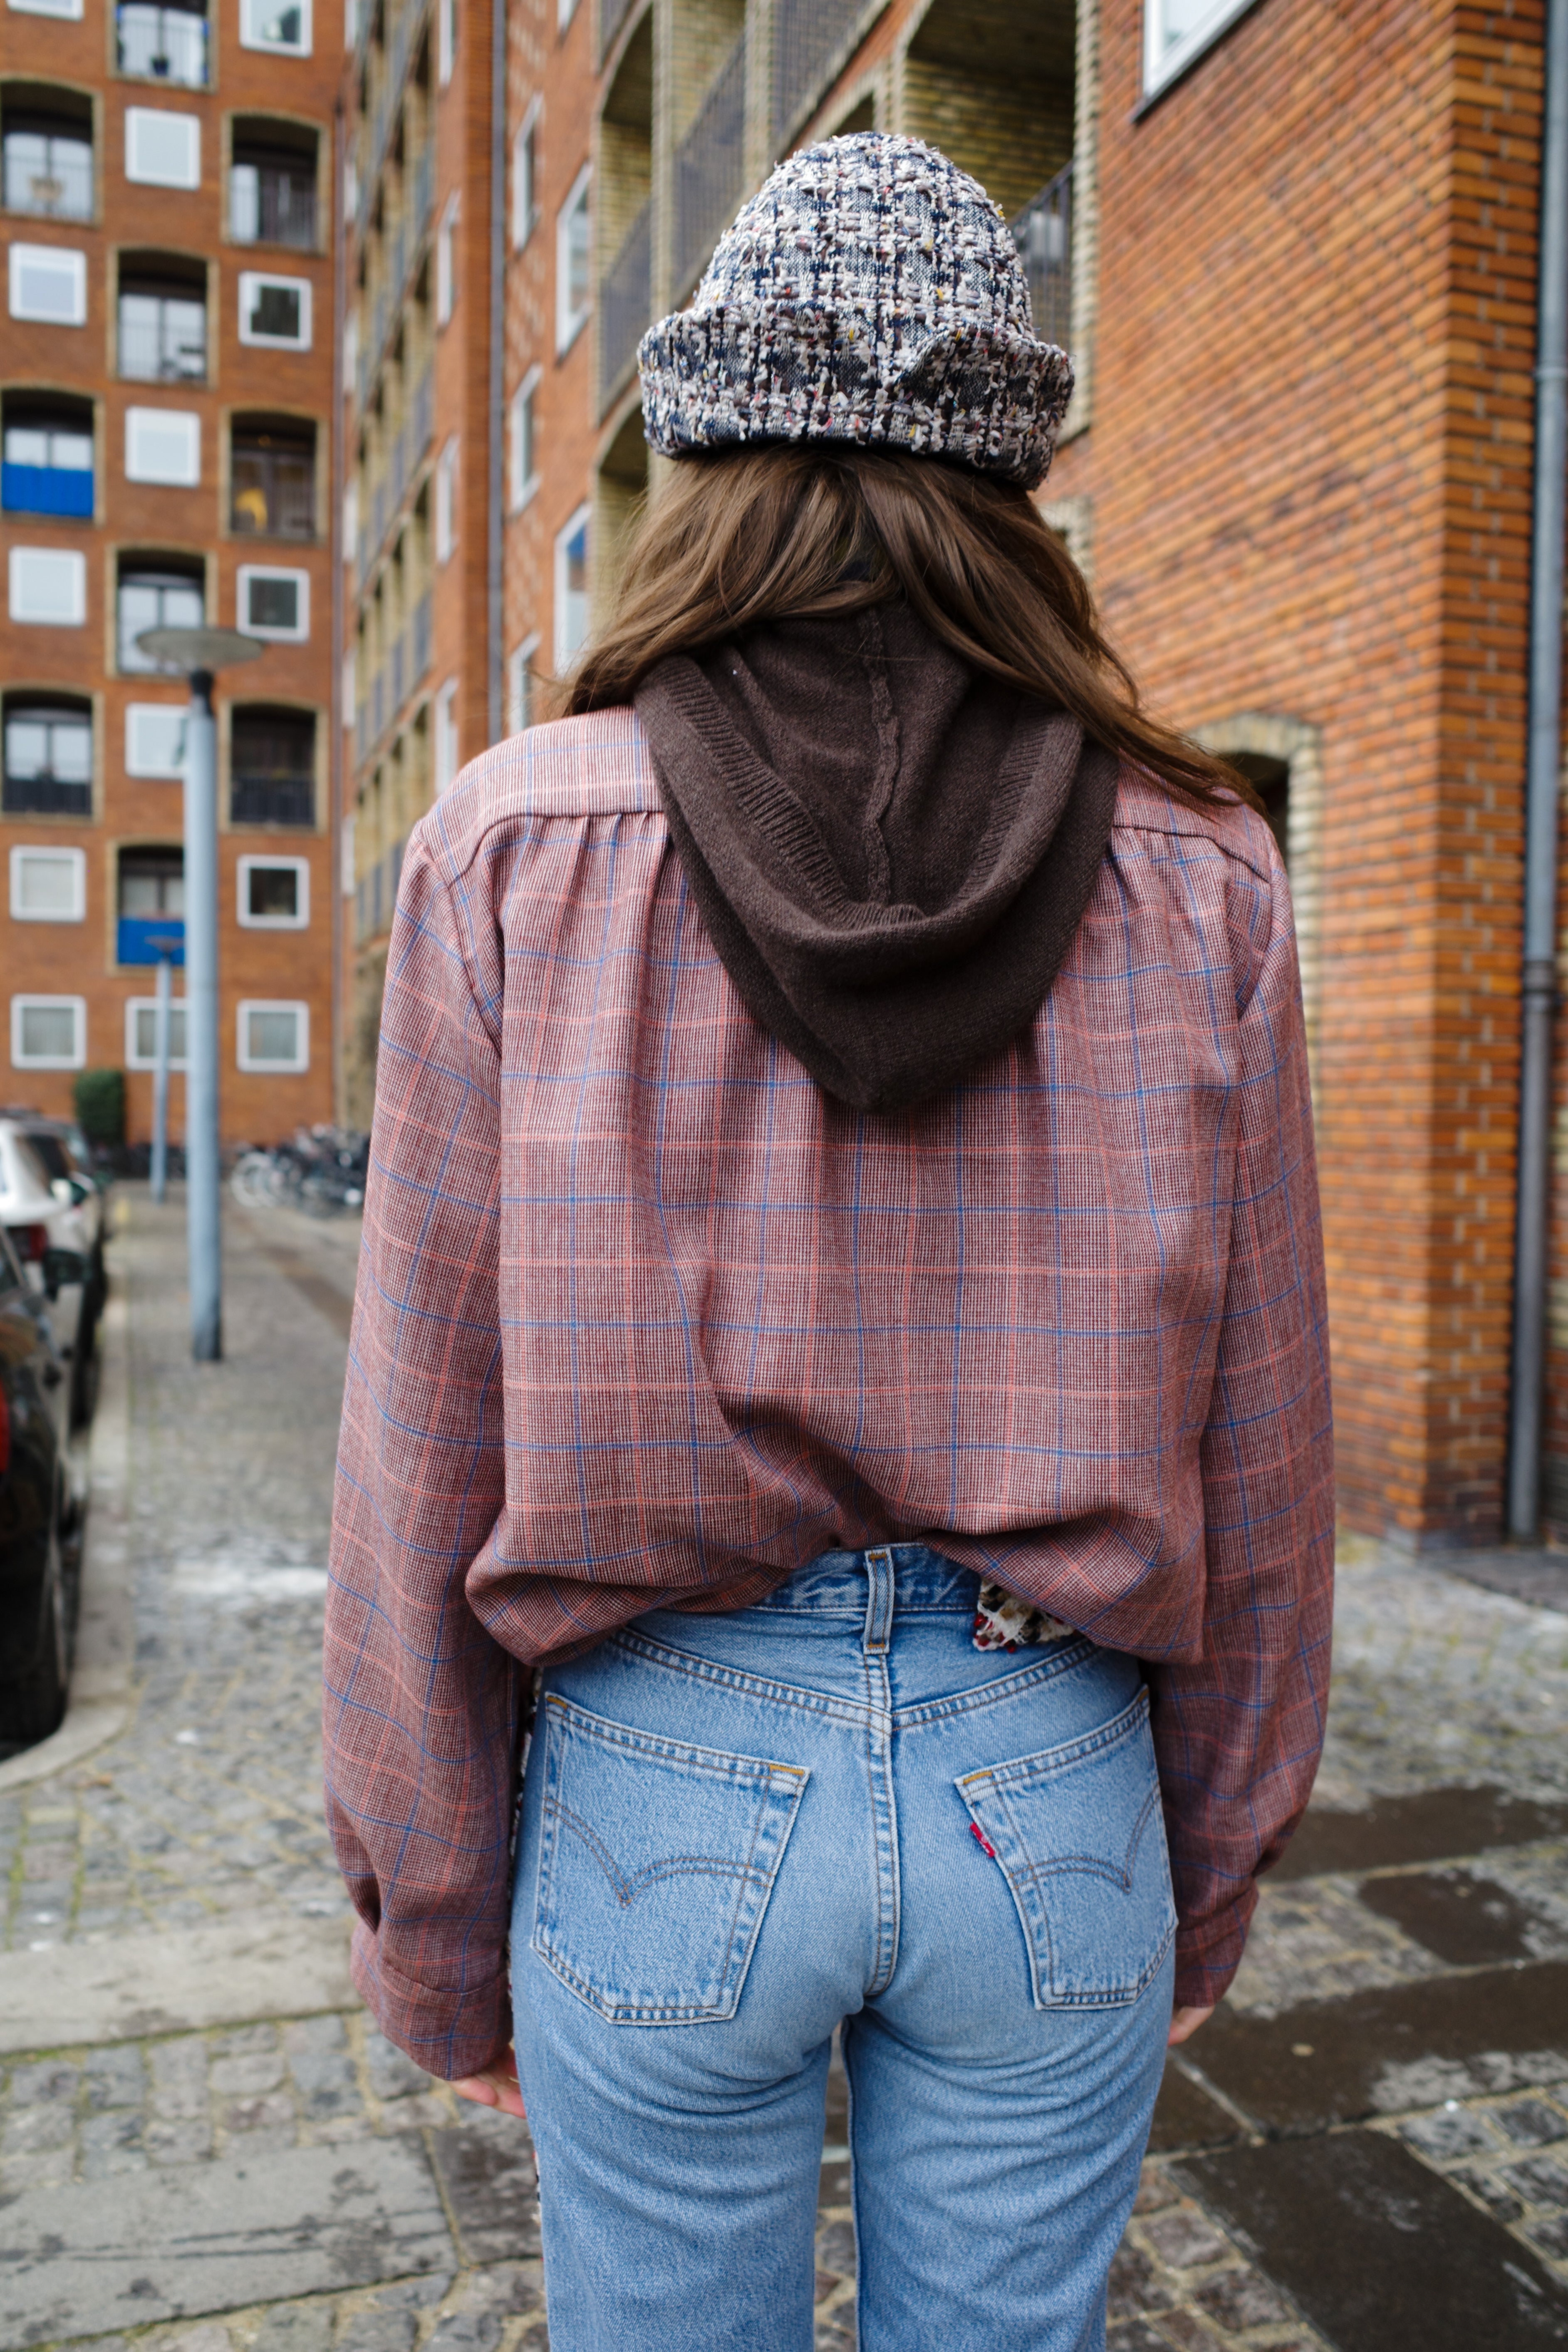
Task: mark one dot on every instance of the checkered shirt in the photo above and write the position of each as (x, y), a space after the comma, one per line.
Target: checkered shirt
(646, 1319)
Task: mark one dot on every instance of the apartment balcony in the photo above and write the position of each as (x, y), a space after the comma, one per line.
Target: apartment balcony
(710, 168)
(271, 204)
(625, 300)
(1043, 234)
(165, 44)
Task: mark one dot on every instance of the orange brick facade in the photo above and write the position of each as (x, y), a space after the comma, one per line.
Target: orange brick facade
(1297, 471)
(133, 232)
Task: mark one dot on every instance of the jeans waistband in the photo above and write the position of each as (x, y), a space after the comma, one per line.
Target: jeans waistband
(895, 1580)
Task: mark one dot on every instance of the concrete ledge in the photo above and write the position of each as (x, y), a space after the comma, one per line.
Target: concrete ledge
(99, 1706)
(255, 1965)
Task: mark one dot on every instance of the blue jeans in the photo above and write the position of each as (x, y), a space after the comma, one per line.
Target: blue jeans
(739, 1831)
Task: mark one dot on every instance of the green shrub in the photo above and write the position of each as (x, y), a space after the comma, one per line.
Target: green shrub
(99, 1100)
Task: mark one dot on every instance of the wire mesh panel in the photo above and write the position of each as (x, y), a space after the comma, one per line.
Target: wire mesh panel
(1042, 233)
(807, 34)
(612, 17)
(626, 298)
(710, 167)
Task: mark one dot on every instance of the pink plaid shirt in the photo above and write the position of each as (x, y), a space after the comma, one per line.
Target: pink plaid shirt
(644, 1318)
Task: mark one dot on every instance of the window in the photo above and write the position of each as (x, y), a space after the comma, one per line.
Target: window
(155, 596)
(272, 480)
(274, 604)
(351, 350)
(48, 885)
(69, 8)
(272, 767)
(166, 44)
(48, 757)
(141, 1033)
(447, 501)
(48, 585)
(155, 740)
(283, 24)
(163, 150)
(522, 471)
(274, 311)
(446, 263)
(524, 205)
(446, 39)
(274, 894)
(571, 591)
(48, 283)
(519, 687)
(1177, 31)
(164, 445)
(572, 257)
(446, 735)
(565, 12)
(47, 142)
(47, 467)
(150, 926)
(272, 185)
(162, 320)
(351, 522)
(48, 1032)
(274, 1036)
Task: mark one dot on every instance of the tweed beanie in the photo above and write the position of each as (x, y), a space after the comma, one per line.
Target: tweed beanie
(870, 292)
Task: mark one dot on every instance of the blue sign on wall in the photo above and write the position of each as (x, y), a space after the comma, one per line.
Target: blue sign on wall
(47, 489)
(148, 938)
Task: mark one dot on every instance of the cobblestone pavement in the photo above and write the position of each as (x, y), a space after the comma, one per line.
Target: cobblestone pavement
(1396, 2044)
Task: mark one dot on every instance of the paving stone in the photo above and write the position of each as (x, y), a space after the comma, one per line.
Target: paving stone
(1498, 2199)
(1468, 1921)
(1134, 2335)
(486, 2168)
(295, 2327)
(52, 2081)
(181, 2142)
(1185, 2238)
(504, 2288)
(1550, 2234)
(1532, 2122)
(1186, 2329)
(1186, 2117)
(1445, 2134)
(466, 2331)
(1154, 2190)
(377, 2331)
(1132, 2286)
(262, 2072)
(1242, 2298)
(836, 2248)
(273, 2113)
(115, 2078)
(179, 2072)
(392, 2074)
(1379, 2252)
(1541, 2181)
(110, 2145)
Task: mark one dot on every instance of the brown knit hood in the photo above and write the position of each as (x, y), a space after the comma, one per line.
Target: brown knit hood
(890, 851)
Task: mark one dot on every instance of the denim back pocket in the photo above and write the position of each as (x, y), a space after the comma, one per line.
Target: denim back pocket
(656, 1863)
(1079, 1834)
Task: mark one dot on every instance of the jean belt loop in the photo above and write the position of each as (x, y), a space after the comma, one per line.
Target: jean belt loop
(879, 1598)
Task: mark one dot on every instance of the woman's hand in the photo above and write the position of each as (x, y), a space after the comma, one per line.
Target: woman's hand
(497, 2086)
(1184, 2023)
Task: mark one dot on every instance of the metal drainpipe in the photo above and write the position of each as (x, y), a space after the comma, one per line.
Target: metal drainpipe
(498, 352)
(337, 795)
(1540, 975)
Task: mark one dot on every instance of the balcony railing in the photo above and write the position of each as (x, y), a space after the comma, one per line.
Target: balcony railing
(807, 37)
(272, 800)
(48, 174)
(45, 796)
(161, 341)
(169, 44)
(65, 490)
(268, 205)
(710, 167)
(1042, 233)
(612, 17)
(419, 641)
(274, 494)
(626, 299)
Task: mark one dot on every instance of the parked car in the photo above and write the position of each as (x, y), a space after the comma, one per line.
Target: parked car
(41, 1529)
(54, 1212)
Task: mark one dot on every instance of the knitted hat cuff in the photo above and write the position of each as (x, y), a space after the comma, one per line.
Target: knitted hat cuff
(985, 397)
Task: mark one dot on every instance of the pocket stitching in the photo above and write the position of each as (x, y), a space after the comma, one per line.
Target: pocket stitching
(1023, 1772)
(1089, 1865)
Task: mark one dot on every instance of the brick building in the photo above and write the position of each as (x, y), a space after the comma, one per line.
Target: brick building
(165, 400)
(1292, 249)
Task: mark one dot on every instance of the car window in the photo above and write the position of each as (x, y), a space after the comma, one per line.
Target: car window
(10, 1265)
(32, 1165)
(54, 1155)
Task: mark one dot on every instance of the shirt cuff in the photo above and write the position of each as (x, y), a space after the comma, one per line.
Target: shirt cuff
(450, 2030)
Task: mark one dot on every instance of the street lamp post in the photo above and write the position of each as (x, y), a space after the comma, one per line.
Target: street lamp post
(200, 652)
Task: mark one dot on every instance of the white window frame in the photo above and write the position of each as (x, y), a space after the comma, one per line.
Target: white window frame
(565, 12)
(138, 761)
(348, 881)
(1163, 67)
(70, 9)
(138, 118)
(350, 520)
(249, 281)
(582, 521)
(350, 685)
(446, 501)
(76, 1060)
(250, 1004)
(64, 259)
(249, 38)
(569, 324)
(300, 921)
(517, 668)
(446, 39)
(446, 261)
(525, 176)
(245, 575)
(75, 859)
(351, 350)
(521, 487)
(159, 420)
(136, 1060)
(446, 746)
(73, 564)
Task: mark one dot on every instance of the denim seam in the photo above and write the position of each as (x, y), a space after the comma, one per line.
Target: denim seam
(682, 1661)
(993, 1694)
(1047, 1761)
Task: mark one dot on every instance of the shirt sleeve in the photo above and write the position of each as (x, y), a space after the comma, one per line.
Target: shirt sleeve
(421, 1705)
(1238, 1733)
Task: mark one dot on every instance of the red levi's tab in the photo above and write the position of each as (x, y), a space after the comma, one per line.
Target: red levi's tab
(976, 1832)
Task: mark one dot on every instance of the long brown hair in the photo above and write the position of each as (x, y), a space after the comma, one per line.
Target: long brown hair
(793, 532)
